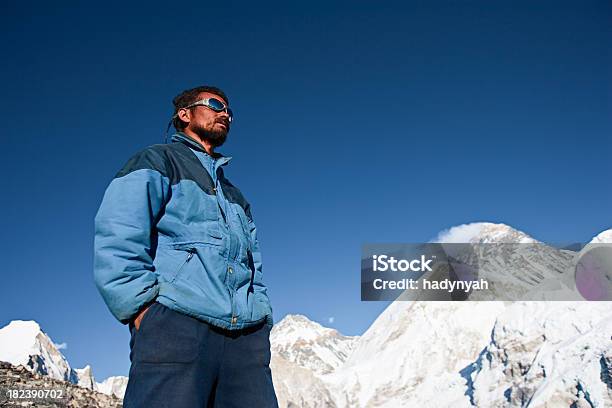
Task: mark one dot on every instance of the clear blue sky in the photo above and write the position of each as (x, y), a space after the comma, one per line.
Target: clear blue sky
(355, 122)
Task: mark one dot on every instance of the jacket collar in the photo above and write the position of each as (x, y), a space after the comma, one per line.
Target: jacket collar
(186, 140)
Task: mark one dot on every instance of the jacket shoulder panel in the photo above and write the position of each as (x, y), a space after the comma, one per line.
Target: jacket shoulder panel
(234, 195)
(186, 166)
(175, 161)
(150, 158)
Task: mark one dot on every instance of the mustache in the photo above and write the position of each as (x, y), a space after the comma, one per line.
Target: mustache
(224, 122)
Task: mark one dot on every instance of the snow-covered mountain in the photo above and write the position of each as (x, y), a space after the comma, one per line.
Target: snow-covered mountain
(73, 396)
(604, 237)
(476, 354)
(515, 271)
(302, 351)
(25, 343)
(547, 354)
(460, 354)
(86, 378)
(310, 345)
(413, 354)
(421, 354)
(483, 233)
(115, 385)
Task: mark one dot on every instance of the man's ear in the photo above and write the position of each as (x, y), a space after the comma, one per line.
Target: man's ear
(184, 115)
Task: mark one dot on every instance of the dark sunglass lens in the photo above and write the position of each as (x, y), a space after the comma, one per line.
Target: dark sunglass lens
(216, 104)
(231, 114)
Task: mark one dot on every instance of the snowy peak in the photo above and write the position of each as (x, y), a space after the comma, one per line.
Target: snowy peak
(515, 271)
(309, 345)
(604, 237)
(16, 337)
(85, 378)
(113, 386)
(299, 327)
(462, 354)
(24, 343)
(483, 233)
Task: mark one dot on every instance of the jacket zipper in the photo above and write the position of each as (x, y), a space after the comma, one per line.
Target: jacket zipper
(234, 319)
(189, 256)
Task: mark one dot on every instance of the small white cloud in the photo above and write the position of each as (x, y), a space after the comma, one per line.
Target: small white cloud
(62, 346)
(460, 233)
(331, 319)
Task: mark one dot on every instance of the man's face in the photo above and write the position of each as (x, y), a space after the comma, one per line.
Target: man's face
(206, 123)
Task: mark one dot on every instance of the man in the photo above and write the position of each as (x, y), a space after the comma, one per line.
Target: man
(177, 258)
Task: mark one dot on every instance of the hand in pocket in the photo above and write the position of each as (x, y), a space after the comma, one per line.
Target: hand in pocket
(139, 317)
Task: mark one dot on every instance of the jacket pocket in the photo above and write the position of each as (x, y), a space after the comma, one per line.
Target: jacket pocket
(189, 253)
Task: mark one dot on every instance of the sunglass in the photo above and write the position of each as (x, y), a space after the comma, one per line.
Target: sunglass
(214, 104)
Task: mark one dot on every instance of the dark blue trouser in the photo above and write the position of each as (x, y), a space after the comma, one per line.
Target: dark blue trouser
(179, 361)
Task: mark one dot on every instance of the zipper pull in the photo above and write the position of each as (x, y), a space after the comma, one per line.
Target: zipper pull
(191, 252)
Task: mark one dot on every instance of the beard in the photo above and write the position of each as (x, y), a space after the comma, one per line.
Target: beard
(213, 136)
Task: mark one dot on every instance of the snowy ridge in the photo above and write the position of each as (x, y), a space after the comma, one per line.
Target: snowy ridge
(310, 345)
(420, 354)
(413, 354)
(302, 351)
(483, 233)
(24, 343)
(86, 378)
(604, 237)
(541, 353)
(462, 354)
(115, 385)
(539, 272)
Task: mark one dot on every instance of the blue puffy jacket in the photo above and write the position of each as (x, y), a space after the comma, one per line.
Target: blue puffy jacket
(171, 227)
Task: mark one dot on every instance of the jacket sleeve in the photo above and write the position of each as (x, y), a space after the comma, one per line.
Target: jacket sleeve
(258, 285)
(124, 241)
